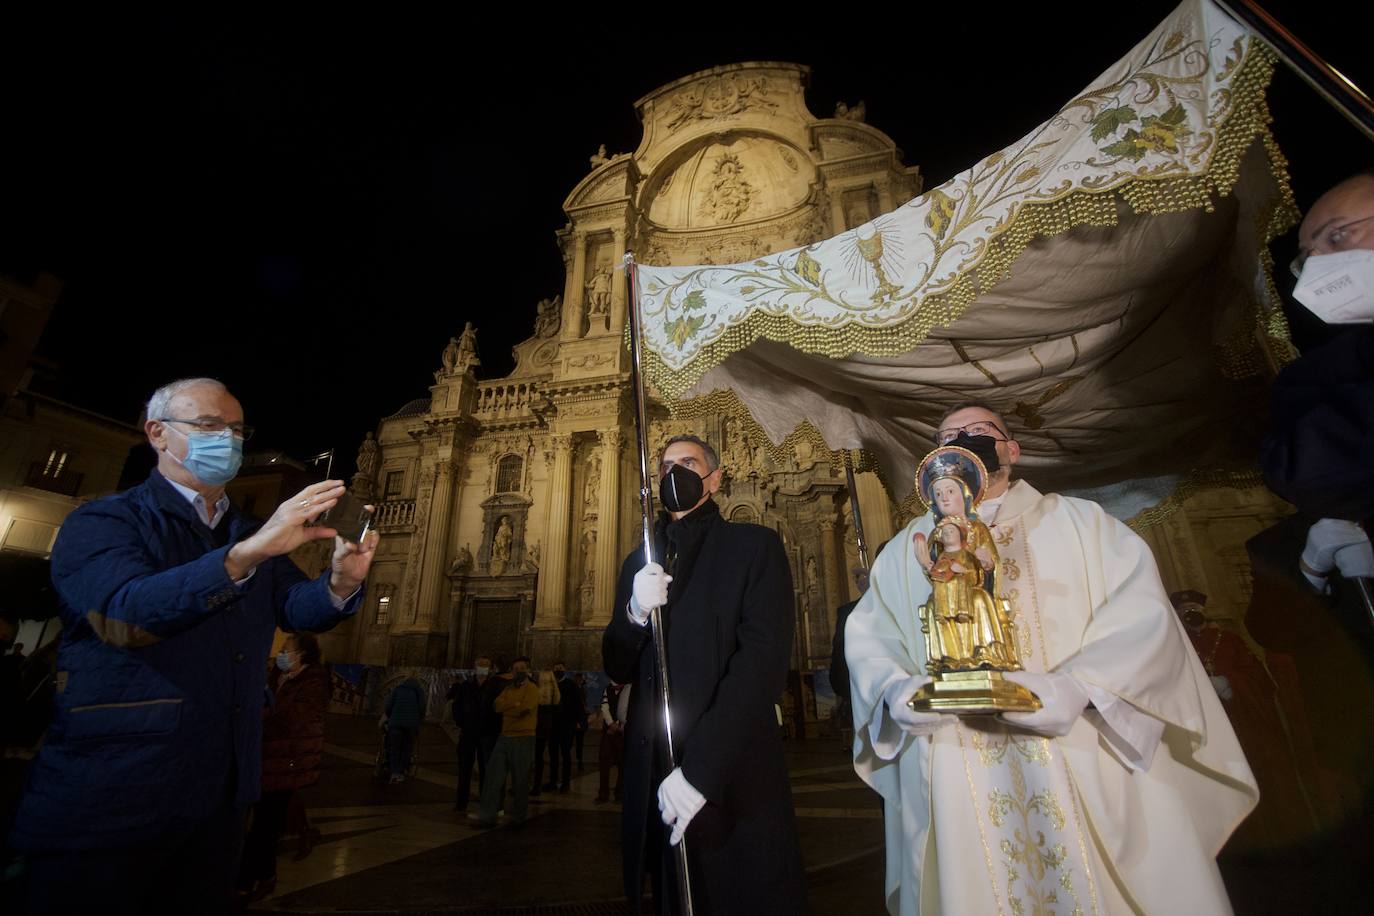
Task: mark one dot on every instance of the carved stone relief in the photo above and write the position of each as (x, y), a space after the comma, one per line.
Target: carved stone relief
(719, 97)
(729, 193)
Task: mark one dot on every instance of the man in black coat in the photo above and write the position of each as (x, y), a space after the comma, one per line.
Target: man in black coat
(727, 614)
(572, 709)
(466, 697)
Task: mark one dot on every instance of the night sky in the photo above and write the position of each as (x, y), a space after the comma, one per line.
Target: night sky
(308, 210)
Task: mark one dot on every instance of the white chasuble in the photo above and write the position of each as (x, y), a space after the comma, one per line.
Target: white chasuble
(1125, 813)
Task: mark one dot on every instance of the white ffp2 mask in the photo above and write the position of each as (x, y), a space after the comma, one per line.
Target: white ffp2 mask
(1338, 288)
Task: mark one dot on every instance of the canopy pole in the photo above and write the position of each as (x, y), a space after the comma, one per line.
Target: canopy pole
(646, 502)
(1332, 85)
(854, 508)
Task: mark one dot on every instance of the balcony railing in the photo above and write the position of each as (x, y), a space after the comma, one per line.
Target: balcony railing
(395, 514)
(507, 400)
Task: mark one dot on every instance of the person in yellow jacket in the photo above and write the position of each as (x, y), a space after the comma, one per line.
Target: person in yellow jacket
(517, 704)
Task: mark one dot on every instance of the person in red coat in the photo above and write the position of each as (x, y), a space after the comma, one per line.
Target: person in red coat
(292, 741)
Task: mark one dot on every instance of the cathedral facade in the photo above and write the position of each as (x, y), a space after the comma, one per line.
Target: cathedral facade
(506, 506)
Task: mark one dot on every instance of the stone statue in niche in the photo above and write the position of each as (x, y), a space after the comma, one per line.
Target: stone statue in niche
(500, 546)
(588, 554)
(532, 559)
(549, 317)
(599, 293)
(592, 488)
(367, 456)
(813, 585)
(600, 158)
(462, 563)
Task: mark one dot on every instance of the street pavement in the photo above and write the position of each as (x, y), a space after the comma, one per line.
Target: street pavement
(402, 849)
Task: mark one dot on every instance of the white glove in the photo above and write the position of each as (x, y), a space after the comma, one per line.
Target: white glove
(678, 803)
(1328, 539)
(911, 721)
(650, 591)
(1222, 686)
(1062, 701)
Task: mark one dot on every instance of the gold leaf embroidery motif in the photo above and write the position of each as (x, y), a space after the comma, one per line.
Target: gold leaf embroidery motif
(1010, 569)
(1028, 854)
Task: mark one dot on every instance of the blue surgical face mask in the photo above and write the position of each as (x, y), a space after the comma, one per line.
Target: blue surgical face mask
(284, 661)
(212, 458)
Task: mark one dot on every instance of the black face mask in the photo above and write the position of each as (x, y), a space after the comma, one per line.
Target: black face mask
(985, 447)
(680, 489)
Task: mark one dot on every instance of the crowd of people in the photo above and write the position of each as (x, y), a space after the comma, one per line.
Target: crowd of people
(176, 756)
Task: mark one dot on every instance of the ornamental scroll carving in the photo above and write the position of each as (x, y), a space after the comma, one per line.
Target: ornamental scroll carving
(719, 97)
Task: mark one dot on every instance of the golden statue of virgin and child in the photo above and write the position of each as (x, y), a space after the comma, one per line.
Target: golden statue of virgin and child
(970, 632)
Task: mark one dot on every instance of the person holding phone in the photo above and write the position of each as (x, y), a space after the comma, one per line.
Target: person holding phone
(169, 599)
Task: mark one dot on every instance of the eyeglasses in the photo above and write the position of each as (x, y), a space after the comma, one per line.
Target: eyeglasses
(981, 428)
(1337, 238)
(213, 425)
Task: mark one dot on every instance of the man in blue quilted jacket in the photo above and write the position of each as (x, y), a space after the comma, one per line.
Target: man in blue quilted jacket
(169, 598)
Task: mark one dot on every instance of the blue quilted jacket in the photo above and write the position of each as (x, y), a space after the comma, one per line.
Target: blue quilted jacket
(161, 672)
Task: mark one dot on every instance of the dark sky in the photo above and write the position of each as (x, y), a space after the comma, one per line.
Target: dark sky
(309, 209)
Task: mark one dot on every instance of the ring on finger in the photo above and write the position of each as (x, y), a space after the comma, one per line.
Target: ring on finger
(305, 503)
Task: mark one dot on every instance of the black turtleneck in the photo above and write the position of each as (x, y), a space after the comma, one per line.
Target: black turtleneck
(680, 542)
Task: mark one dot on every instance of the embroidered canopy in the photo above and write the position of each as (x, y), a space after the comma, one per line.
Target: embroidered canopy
(1104, 281)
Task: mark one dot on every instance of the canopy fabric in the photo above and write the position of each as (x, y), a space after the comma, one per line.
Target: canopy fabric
(1104, 282)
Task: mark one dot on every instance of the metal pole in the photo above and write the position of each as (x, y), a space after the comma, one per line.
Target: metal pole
(646, 501)
(1366, 592)
(854, 507)
(1332, 85)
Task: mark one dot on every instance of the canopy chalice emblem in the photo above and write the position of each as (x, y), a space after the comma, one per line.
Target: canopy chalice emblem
(969, 629)
(871, 250)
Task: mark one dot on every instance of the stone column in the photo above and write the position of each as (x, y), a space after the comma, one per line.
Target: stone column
(553, 572)
(608, 528)
(576, 290)
(406, 606)
(885, 200)
(837, 210)
(832, 557)
(619, 283)
(876, 510)
(434, 586)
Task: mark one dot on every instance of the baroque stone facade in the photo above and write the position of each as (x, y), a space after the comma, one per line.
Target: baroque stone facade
(506, 506)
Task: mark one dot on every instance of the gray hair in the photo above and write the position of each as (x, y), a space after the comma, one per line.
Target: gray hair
(156, 408)
(712, 459)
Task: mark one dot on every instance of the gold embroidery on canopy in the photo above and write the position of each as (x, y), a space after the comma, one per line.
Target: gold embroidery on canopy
(963, 354)
(1010, 569)
(1239, 121)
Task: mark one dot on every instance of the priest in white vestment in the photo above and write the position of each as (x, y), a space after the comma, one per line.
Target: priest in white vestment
(1116, 796)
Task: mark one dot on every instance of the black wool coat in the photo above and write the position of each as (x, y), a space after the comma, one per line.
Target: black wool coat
(728, 624)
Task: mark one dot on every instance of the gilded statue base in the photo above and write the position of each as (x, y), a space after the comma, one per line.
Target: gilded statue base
(973, 693)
